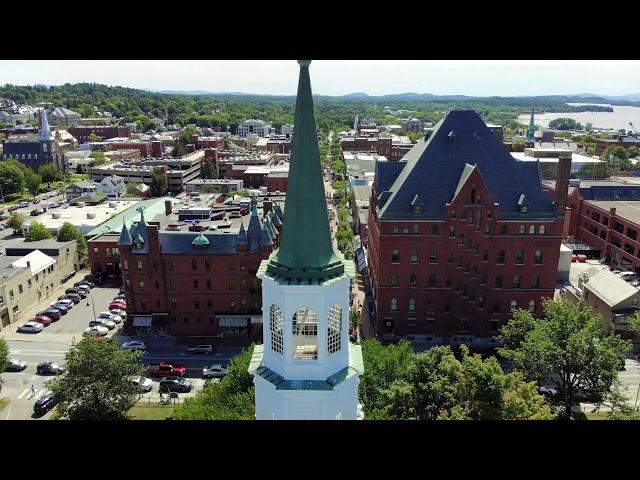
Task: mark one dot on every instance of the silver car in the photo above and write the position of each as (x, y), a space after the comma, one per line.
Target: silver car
(135, 345)
(95, 332)
(31, 327)
(110, 316)
(102, 322)
(145, 384)
(214, 371)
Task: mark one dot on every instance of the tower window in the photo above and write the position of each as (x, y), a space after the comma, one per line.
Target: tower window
(276, 326)
(304, 337)
(334, 329)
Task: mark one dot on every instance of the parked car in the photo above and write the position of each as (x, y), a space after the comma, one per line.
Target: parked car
(84, 290)
(582, 258)
(45, 403)
(102, 322)
(72, 290)
(95, 332)
(88, 282)
(206, 349)
(136, 345)
(46, 368)
(144, 384)
(53, 313)
(35, 212)
(44, 320)
(175, 385)
(214, 371)
(74, 297)
(13, 208)
(15, 365)
(110, 316)
(120, 298)
(63, 307)
(31, 327)
(574, 258)
(628, 276)
(82, 284)
(551, 391)
(165, 369)
(65, 301)
(117, 305)
(23, 204)
(119, 313)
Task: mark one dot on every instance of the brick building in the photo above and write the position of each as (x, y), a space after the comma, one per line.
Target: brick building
(460, 234)
(197, 283)
(623, 141)
(103, 132)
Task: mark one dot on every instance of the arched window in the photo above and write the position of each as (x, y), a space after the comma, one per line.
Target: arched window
(514, 305)
(542, 229)
(538, 259)
(395, 256)
(532, 229)
(304, 338)
(501, 256)
(412, 304)
(334, 329)
(532, 306)
(414, 256)
(277, 327)
(413, 280)
(394, 304)
(516, 281)
(394, 279)
(522, 229)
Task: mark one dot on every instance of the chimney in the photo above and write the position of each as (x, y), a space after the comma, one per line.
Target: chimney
(562, 183)
(194, 139)
(157, 148)
(612, 213)
(168, 207)
(28, 264)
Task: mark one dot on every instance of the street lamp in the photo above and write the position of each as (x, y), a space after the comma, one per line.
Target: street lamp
(92, 305)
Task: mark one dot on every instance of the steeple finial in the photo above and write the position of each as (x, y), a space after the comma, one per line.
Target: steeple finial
(532, 128)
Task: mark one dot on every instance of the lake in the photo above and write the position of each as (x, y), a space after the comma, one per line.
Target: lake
(619, 118)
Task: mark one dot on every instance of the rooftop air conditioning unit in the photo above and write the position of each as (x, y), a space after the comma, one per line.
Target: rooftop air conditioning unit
(55, 215)
(81, 204)
(113, 205)
(91, 215)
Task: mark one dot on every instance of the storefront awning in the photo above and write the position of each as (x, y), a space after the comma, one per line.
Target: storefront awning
(256, 319)
(232, 321)
(362, 258)
(142, 321)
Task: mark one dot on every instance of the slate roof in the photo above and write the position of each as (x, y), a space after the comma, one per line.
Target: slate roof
(182, 242)
(433, 170)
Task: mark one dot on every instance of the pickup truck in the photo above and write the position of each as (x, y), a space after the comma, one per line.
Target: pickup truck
(165, 369)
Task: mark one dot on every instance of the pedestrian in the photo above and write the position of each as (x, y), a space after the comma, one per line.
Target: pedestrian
(33, 390)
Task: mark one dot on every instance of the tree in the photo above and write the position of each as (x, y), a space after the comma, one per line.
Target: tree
(16, 222)
(633, 152)
(93, 137)
(616, 158)
(567, 348)
(4, 354)
(68, 232)
(32, 182)
(99, 158)
(158, 182)
(37, 231)
(208, 169)
(565, 124)
(11, 178)
(231, 399)
(97, 385)
(518, 146)
(49, 174)
(132, 190)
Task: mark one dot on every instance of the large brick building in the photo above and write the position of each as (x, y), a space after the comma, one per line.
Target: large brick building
(103, 132)
(461, 234)
(197, 283)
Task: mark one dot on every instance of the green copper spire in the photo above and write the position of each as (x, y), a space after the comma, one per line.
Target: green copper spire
(305, 249)
(531, 130)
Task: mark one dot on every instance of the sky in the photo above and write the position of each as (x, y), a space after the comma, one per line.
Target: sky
(340, 77)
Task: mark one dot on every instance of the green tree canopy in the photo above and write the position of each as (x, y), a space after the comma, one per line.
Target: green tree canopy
(97, 385)
(633, 152)
(16, 222)
(37, 231)
(231, 399)
(11, 177)
(518, 145)
(68, 232)
(565, 124)
(99, 158)
(568, 349)
(32, 182)
(158, 182)
(208, 169)
(132, 190)
(4, 354)
(49, 173)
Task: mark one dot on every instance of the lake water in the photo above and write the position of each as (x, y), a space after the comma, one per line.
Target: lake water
(619, 118)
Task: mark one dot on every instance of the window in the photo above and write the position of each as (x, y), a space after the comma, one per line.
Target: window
(457, 289)
(304, 337)
(480, 302)
(514, 306)
(394, 279)
(432, 280)
(413, 280)
(195, 285)
(231, 266)
(127, 284)
(460, 261)
(503, 230)
(464, 290)
(463, 215)
(472, 295)
(185, 319)
(396, 229)
(95, 250)
(496, 307)
(516, 281)
(139, 264)
(435, 230)
(232, 284)
(474, 271)
(498, 282)
(433, 258)
(405, 229)
(452, 231)
(194, 264)
(412, 304)
(542, 230)
(453, 215)
(522, 230)
(485, 256)
(519, 257)
(173, 304)
(538, 257)
(207, 264)
(141, 285)
(196, 303)
(125, 265)
(243, 284)
(394, 304)
(232, 304)
(170, 265)
(532, 229)
(535, 281)
(209, 302)
(414, 256)
(334, 329)
(450, 258)
(501, 257)
(461, 239)
(172, 284)
(242, 267)
(395, 256)
(209, 284)
(143, 304)
(532, 306)
(473, 194)
(478, 220)
(469, 244)
(20, 289)
(494, 325)
(483, 278)
(29, 283)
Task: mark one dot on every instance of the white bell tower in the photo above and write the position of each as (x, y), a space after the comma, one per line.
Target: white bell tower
(306, 369)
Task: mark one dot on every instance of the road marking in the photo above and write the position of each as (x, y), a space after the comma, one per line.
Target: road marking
(24, 393)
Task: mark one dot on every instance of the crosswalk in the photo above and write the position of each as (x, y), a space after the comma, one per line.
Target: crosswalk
(27, 394)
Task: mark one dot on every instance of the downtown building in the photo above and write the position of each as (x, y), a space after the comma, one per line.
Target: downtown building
(460, 235)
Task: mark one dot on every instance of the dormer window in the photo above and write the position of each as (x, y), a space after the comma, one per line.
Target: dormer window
(417, 209)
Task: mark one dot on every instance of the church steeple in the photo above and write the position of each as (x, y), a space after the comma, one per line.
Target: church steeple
(531, 130)
(306, 250)
(125, 236)
(45, 130)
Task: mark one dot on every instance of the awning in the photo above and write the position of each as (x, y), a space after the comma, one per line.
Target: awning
(142, 321)
(256, 319)
(362, 258)
(232, 322)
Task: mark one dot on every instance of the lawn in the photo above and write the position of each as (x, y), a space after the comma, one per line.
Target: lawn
(3, 403)
(151, 412)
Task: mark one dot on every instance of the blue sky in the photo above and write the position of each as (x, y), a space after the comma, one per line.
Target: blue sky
(339, 77)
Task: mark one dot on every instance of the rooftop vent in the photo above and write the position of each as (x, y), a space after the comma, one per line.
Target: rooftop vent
(452, 136)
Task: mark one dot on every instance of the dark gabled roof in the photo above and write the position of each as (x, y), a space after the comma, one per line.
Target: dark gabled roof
(386, 174)
(435, 168)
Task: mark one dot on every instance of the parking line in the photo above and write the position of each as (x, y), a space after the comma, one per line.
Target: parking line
(25, 392)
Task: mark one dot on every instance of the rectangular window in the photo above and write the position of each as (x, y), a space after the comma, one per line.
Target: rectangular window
(172, 284)
(209, 302)
(494, 325)
(232, 284)
(405, 229)
(618, 227)
(616, 241)
(535, 282)
(141, 285)
(29, 283)
(396, 230)
(194, 264)
(95, 250)
(170, 265)
(125, 265)
(143, 304)
(196, 303)
(195, 285)
(498, 282)
(416, 229)
(516, 281)
(519, 257)
(20, 288)
(139, 264)
(435, 230)
(452, 231)
(450, 258)
(209, 284)
(433, 258)
(207, 264)
(174, 305)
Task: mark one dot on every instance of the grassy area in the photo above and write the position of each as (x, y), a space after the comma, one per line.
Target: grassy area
(3, 403)
(14, 200)
(151, 412)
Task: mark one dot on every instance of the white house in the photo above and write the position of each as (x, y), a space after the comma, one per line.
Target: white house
(113, 186)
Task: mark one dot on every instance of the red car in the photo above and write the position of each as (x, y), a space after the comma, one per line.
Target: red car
(582, 258)
(43, 320)
(12, 208)
(165, 369)
(574, 258)
(118, 305)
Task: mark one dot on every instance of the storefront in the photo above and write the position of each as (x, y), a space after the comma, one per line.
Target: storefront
(239, 325)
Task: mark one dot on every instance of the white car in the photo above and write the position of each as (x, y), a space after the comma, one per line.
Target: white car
(145, 384)
(102, 322)
(136, 345)
(64, 301)
(110, 316)
(31, 327)
(120, 313)
(214, 371)
(95, 332)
